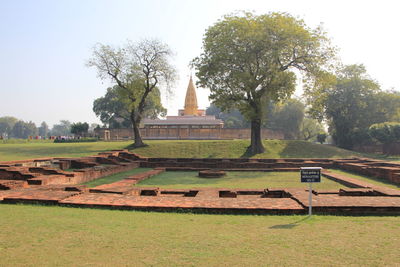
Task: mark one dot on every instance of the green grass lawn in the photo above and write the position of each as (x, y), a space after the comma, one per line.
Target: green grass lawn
(371, 180)
(248, 180)
(237, 149)
(175, 148)
(46, 149)
(115, 177)
(59, 236)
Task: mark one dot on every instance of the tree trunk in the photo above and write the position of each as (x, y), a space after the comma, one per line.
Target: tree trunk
(256, 145)
(138, 142)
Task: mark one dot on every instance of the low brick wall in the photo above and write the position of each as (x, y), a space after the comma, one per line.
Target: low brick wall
(387, 149)
(87, 175)
(193, 133)
(52, 170)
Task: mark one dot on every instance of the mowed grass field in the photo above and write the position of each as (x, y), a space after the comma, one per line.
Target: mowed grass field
(44, 149)
(61, 236)
(175, 148)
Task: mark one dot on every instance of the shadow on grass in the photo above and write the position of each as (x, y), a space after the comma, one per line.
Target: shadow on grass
(129, 147)
(133, 146)
(290, 225)
(247, 154)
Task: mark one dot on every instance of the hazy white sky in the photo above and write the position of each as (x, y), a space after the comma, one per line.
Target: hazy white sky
(44, 45)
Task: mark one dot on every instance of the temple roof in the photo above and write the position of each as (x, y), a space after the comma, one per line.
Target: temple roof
(185, 120)
(191, 99)
(191, 115)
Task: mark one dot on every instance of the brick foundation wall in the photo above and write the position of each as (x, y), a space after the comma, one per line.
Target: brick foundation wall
(185, 133)
(387, 149)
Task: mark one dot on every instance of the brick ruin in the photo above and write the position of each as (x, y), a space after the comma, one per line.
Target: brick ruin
(58, 181)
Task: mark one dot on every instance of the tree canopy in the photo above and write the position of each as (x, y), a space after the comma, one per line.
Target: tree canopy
(79, 128)
(43, 129)
(6, 126)
(248, 60)
(61, 129)
(138, 69)
(23, 129)
(113, 111)
(287, 117)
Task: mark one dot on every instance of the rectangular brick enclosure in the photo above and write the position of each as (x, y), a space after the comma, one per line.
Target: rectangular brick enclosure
(58, 181)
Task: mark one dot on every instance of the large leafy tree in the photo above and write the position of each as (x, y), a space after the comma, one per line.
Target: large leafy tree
(249, 60)
(23, 129)
(138, 69)
(79, 128)
(113, 111)
(6, 125)
(351, 102)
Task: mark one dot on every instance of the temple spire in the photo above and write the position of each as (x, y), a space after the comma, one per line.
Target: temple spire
(191, 99)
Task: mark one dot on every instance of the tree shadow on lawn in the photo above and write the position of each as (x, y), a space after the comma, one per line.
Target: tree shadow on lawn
(290, 225)
(247, 153)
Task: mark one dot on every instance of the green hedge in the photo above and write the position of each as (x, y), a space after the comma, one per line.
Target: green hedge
(81, 140)
(24, 141)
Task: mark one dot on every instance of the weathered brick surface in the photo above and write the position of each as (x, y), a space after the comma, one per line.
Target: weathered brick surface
(12, 184)
(35, 195)
(50, 171)
(124, 186)
(169, 201)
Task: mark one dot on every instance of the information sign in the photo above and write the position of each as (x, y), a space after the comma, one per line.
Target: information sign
(310, 174)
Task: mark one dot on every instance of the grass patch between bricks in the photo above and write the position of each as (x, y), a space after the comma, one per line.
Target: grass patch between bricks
(247, 180)
(372, 180)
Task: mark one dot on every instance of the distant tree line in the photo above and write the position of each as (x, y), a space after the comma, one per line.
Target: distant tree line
(11, 127)
(355, 108)
(289, 117)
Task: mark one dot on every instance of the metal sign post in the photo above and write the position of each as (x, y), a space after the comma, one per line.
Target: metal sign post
(310, 199)
(310, 175)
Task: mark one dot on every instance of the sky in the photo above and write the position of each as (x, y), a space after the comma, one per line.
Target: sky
(44, 45)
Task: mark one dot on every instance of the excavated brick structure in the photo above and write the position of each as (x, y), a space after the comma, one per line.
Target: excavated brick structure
(56, 181)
